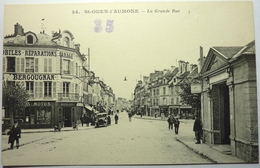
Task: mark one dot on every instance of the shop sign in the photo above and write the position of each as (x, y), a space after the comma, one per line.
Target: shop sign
(39, 104)
(68, 104)
(33, 77)
(66, 55)
(195, 88)
(30, 53)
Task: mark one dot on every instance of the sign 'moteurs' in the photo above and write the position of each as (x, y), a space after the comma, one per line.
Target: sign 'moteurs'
(32, 77)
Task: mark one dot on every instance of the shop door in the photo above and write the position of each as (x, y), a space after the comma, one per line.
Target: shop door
(67, 116)
(225, 131)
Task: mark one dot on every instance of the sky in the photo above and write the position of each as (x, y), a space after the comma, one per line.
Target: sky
(143, 42)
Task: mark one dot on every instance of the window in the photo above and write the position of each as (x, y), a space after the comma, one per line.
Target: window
(66, 89)
(10, 64)
(174, 80)
(154, 92)
(172, 100)
(47, 64)
(157, 91)
(66, 42)
(29, 65)
(164, 91)
(30, 39)
(66, 66)
(43, 115)
(177, 100)
(47, 89)
(29, 89)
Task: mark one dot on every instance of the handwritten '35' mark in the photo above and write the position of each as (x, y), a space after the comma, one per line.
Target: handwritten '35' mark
(109, 26)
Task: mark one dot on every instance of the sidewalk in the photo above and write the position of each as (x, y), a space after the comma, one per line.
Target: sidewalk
(28, 138)
(215, 153)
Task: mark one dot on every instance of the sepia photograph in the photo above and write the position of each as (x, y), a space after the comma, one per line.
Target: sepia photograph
(137, 83)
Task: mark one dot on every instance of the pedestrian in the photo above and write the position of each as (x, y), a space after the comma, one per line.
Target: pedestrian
(129, 116)
(116, 119)
(108, 120)
(176, 125)
(197, 128)
(170, 122)
(15, 134)
(82, 120)
(141, 114)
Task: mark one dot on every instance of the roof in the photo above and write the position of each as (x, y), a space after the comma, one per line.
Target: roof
(228, 52)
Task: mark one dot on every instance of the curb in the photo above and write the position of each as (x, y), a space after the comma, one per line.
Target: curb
(196, 151)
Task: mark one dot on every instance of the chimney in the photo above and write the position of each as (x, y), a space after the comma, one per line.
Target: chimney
(200, 61)
(187, 67)
(172, 68)
(77, 47)
(18, 30)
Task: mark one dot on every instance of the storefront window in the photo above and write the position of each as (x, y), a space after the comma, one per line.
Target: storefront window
(43, 115)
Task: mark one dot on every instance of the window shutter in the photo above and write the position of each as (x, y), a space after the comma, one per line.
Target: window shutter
(45, 65)
(36, 68)
(72, 88)
(22, 64)
(61, 87)
(4, 68)
(50, 64)
(17, 65)
(40, 89)
(36, 89)
(54, 90)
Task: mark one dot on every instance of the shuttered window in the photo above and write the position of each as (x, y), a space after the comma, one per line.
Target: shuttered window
(54, 90)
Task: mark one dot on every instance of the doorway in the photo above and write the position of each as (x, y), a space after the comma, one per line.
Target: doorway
(225, 114)
(67, 116)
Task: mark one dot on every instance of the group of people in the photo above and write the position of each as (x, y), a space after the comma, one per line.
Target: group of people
(197, 127)
(173, 121)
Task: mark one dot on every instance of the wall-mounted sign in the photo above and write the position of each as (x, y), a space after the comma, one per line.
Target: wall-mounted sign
(66, 55)
(195, 88)
(40, 104)
(33, 77)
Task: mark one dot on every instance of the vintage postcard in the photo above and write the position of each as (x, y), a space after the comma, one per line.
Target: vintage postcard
(129, 84)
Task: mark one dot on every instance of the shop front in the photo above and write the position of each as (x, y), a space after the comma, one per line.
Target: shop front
(39, 114)
(67, 114)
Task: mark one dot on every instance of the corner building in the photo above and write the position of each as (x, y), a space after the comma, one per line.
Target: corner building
(50, 68)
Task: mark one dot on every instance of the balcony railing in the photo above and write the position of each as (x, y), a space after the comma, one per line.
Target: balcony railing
(68, 97)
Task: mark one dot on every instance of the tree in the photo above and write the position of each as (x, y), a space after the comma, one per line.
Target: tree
(14, 99)
(192, 99)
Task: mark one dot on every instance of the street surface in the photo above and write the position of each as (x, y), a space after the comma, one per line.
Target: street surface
(140, 141)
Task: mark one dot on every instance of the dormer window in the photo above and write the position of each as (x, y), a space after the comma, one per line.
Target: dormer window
(174, 80)
(29, 39)
(66, 42)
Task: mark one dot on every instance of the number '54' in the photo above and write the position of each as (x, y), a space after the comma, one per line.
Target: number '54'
(109, 26)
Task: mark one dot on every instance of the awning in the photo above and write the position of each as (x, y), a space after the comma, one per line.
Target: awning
(88, 107)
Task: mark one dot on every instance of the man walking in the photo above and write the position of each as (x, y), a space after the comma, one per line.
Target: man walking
(197, 128)
(176, 125)
(15, 135)
(116, 119)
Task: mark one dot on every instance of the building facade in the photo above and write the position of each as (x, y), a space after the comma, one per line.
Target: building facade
(229, 100)
(48, 68)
